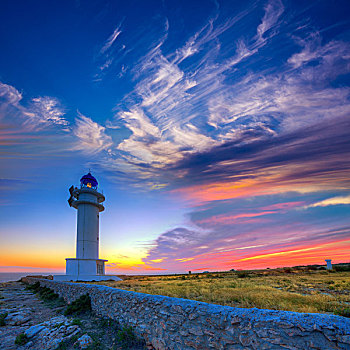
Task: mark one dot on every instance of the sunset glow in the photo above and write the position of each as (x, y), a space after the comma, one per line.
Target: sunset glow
(218, 131)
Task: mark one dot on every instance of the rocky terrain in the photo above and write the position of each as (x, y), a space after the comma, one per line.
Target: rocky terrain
(27, 322)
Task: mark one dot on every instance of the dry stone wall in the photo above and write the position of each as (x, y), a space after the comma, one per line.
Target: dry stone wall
(180, 324)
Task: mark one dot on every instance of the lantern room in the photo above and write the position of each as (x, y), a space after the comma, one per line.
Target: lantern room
(88, 181)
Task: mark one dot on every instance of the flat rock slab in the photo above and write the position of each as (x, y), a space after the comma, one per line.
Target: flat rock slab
(27, 314)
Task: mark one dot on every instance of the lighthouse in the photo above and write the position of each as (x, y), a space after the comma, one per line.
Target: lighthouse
(86, 266)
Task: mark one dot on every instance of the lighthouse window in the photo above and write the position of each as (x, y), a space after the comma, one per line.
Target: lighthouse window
(99, 269)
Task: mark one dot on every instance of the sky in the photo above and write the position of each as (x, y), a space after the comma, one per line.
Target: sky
(219, 132)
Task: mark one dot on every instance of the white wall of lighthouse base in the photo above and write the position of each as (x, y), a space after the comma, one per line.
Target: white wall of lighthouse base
(85, 270)
(85, 266)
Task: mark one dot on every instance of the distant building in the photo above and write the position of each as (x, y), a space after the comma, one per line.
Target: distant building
(329, 264)
(86, 266)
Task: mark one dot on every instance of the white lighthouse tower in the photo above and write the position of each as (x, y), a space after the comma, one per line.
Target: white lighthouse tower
(86, 266)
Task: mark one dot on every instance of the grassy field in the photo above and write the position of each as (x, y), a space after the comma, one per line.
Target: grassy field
(289, 289)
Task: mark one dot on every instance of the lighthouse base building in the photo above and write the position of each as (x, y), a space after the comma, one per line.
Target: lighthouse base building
(85, 270)
(86, 266)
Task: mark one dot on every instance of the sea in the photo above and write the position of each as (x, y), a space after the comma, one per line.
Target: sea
(15, 276)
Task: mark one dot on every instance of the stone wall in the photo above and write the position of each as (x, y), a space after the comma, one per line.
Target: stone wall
(174, 323)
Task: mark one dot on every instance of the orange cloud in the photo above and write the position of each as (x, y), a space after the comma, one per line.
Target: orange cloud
(277, 254)
(273, 180)
(239, 258)
(184, 259)
(222, 219)
(337, 251)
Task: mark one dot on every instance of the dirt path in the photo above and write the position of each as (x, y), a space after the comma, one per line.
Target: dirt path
(26, 313)
(43, 325)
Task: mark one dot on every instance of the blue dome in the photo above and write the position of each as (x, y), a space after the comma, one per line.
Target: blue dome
(89, 181)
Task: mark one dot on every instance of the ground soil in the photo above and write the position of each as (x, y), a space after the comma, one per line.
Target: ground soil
(106, 334)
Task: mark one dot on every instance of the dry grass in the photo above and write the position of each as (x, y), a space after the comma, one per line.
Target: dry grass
(291, 290)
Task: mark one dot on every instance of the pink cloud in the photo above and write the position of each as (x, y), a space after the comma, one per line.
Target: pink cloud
(222, 219)
(285, 205)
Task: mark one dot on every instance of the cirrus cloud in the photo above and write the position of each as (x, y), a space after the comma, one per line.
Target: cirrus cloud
(91, 136)
(340, 200)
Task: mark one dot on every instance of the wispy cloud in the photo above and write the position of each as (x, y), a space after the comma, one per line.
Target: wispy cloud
(45, 111)
(40, 112)
(111, 39)
(248, 247)
(313, 159)
(42, 119)
(91, 136)
(109, 55)
(195, 101)
(246, 118)
(170, 98)
(340, 200)
(290, 253)
(7, 184)
(273, 11)
(330, 55)
(9, 95)
(283, 206)
(31, 128)
(228, 220)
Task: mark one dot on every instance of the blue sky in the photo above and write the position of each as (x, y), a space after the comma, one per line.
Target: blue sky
(218, 130)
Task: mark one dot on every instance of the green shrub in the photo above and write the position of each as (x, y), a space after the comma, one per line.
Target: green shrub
(243, 274)
(2, 319)
(343, 312)
(21, 339)
(46, 294)
(34, 287)
(311, 268)
(83, 304)
(107, 322)
(125, 335)
(63, 345)
(96, 345)
(126, 339)
(341, 268)
(77, 322)
(68, 343)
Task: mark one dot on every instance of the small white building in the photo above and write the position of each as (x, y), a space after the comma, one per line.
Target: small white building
(329, 264)
(86, 266)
